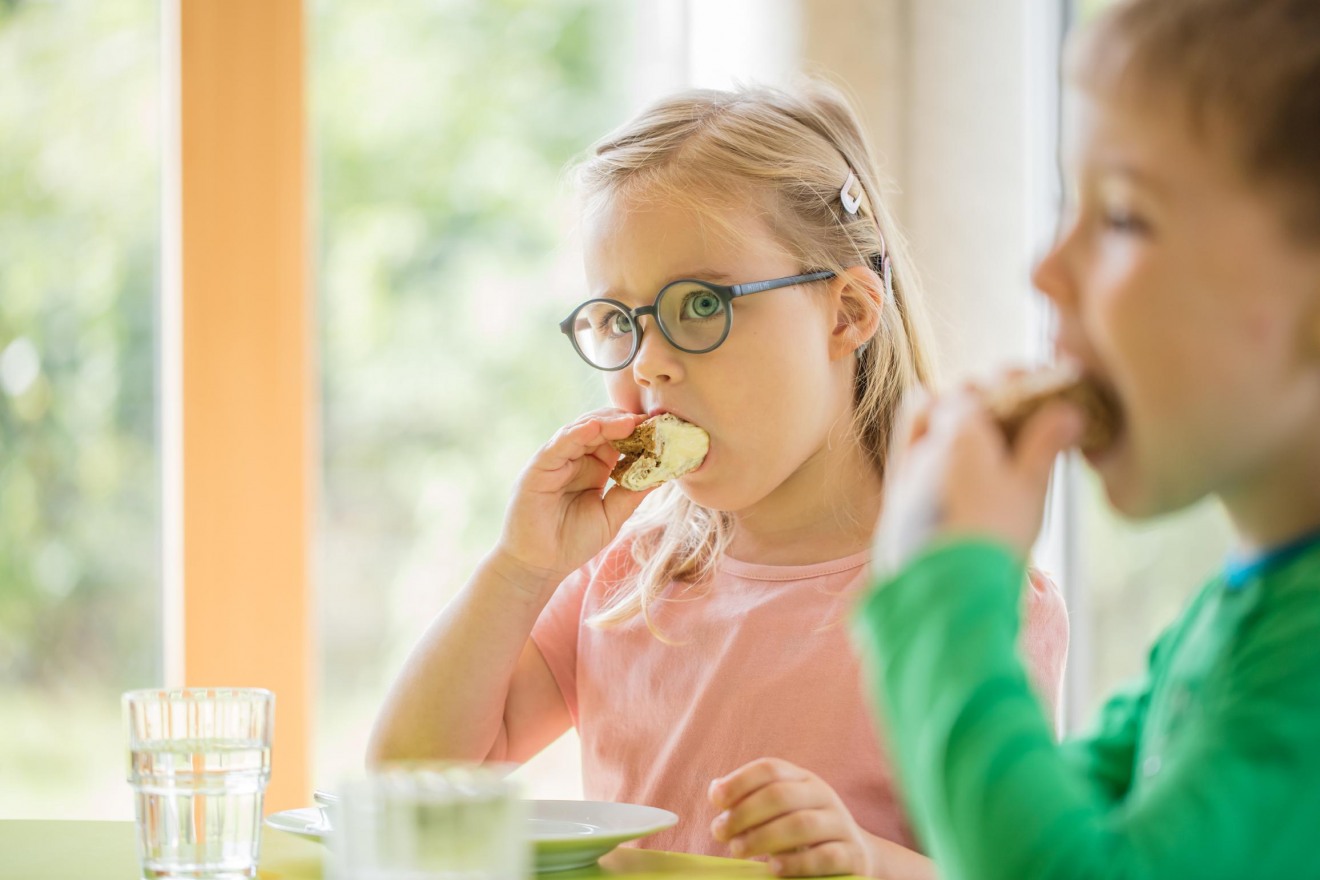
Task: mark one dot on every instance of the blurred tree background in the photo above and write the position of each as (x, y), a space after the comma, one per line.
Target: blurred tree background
(443, 130)
(440, 131)
(79, 480)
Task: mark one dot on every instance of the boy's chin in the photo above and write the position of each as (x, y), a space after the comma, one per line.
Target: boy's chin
(1134, 495)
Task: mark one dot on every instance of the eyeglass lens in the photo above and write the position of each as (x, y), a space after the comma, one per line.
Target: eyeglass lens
(692, 316)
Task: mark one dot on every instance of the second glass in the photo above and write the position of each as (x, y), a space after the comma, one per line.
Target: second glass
(430, 822)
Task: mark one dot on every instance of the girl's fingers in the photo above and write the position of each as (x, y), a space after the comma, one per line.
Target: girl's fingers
(583, 438)
(766, 805)
(727, 791)
(589, 473)
(621, 503)
(822, 860)
(791, 831)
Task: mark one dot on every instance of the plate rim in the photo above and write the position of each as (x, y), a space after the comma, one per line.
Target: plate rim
(664, 819)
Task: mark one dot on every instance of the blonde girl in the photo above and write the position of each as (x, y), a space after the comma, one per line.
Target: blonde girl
(744, 276)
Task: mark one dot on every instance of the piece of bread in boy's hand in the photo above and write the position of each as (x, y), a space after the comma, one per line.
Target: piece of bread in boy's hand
(1015, 401)
(659, 449)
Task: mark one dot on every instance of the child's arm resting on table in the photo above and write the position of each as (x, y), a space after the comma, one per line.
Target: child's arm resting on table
(994, 797)
(476, 687)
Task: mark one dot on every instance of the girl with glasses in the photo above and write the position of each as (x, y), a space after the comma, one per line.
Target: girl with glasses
(743, 276)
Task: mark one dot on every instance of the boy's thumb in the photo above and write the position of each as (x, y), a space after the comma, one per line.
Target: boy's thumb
(1053, 430)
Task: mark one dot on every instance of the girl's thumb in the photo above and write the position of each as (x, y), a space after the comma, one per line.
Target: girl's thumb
(1054, 429)
(620, 504)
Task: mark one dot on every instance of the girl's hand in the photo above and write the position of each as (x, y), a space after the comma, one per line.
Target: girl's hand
(558, 518)
(773, 808)
(953, 473)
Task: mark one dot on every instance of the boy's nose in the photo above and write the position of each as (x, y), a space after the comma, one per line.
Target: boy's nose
(656, 360)
(1051, 276)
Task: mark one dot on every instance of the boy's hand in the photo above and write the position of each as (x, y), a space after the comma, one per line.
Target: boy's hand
(773, 808)
(558, 518)
(953, 473)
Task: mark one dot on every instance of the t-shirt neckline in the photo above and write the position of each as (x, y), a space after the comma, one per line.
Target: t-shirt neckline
(760, 572)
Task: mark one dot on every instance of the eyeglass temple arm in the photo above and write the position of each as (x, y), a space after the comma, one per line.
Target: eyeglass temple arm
(759, 286)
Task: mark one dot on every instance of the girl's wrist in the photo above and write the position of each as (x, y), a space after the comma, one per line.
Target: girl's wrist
(527, 583)
(893, 861)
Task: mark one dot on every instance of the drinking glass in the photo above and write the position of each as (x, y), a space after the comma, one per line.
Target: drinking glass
(199, 761)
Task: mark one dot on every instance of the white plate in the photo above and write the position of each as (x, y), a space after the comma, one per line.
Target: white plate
(567, 834)
(304, 823)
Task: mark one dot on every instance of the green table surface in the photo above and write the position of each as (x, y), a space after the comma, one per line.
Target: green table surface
(37, 849)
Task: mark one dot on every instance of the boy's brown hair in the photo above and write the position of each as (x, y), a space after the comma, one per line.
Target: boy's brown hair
(1248, 69)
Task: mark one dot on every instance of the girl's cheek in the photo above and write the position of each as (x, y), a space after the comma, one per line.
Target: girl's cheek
(623, 392)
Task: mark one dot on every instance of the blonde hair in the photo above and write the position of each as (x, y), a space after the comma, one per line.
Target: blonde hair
(1250, 65)
(788, 153)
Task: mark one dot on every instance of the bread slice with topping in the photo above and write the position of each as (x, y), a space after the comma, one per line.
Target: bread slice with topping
(658, 450)
(1014, 402)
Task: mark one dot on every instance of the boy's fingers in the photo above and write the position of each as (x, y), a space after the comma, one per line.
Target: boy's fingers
(913, 417)
(953, 411)
(1056, 428)
(729, 790)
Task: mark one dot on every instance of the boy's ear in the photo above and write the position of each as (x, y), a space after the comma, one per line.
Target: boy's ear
(857, 298)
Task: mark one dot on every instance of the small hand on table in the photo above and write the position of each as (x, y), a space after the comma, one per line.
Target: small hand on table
(773, 808)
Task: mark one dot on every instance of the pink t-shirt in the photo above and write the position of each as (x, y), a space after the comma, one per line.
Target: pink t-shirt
(760, 665)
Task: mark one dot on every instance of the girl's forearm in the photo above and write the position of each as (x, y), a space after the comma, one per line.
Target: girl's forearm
(448, 701)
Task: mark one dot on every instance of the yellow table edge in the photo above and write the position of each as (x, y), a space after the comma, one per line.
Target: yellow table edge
(53, 849)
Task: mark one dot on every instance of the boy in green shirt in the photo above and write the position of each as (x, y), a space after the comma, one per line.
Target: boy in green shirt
(1187, 284)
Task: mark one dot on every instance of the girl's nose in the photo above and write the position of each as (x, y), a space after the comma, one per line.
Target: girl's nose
(657, 361)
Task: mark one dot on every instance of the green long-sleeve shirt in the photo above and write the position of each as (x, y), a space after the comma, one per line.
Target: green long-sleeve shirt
(1209, 768)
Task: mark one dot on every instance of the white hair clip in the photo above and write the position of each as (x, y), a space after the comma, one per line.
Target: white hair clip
(851, 203)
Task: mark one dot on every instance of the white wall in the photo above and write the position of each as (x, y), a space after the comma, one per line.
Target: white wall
(951, 90)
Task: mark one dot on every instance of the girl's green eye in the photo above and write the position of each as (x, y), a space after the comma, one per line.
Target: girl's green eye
(701, 305)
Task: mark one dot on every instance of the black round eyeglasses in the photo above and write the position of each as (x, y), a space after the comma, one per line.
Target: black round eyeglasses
(694, 316)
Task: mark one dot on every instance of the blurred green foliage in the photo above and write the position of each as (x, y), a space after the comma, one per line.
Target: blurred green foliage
(442, 132)
(79, 195)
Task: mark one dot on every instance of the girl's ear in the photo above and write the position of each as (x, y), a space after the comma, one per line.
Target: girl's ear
(857, 298)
